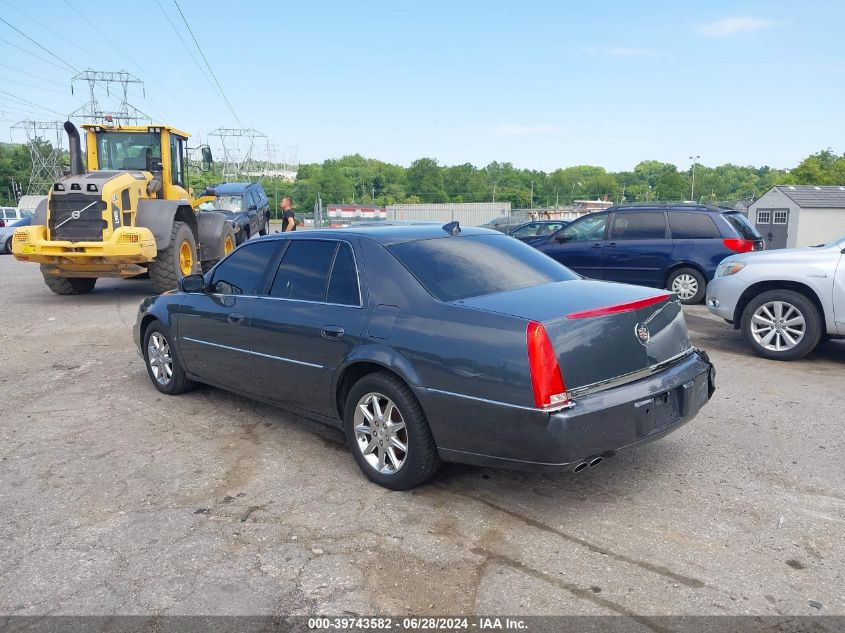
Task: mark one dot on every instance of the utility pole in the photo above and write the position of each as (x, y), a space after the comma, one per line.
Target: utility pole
(46, 165)
(532, 194)
(92, 112)
(238, 163)
(694, 159)
(494, 191)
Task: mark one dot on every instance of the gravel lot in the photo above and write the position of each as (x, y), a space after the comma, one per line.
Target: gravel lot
(117, 499)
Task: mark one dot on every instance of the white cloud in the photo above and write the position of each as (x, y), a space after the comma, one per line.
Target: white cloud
(526, 130)
(727, 27)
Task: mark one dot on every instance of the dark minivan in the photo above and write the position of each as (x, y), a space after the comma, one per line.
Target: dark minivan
(676, 247)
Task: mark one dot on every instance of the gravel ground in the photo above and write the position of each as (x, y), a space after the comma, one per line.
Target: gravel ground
(119, 500)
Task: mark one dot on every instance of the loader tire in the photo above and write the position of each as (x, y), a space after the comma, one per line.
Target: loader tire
(69, 285)
(176, 261)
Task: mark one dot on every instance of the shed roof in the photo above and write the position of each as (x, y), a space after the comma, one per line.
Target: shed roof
(815, 197)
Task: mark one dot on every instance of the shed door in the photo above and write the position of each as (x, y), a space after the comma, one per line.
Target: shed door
(772, 225)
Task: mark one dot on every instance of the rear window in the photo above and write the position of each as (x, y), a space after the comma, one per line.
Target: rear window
(692, 226)
(742, 226)
(461, 267)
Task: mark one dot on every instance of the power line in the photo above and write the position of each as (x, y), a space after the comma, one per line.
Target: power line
(199, 48)
(47, 28)
(23, 72)
(185, 46)
(46, 50)
(31, 103)
(23, 83)
(46, 61)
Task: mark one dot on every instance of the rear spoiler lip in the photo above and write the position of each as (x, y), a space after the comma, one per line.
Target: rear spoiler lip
(618, 308)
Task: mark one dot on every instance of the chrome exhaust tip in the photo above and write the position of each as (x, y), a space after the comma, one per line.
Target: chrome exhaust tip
(580, 466)
(595, 461)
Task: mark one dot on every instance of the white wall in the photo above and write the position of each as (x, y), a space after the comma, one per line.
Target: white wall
(819, 226)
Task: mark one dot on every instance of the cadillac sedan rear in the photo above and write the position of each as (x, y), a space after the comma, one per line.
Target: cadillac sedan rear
(427, 343)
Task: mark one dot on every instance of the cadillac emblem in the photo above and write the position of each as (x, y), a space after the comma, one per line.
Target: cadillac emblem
(642, 333)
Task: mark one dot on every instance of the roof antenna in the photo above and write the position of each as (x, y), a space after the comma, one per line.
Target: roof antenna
(453, 228)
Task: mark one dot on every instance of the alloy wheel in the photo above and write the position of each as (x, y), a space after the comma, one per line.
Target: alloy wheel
(186, 258)
(380, 433)
(685, 286)
(159, 358)
(778, 326)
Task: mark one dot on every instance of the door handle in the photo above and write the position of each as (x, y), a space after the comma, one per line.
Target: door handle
(332, 331)
(612, 245)
(235, 317)
(596, 245)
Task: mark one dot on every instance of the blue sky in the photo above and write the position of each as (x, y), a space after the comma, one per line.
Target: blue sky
(542, 85)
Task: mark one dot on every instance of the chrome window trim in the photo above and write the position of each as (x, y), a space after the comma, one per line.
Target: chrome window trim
(246, 351)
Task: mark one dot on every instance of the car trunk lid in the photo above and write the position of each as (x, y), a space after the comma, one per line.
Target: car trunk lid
(601, 332)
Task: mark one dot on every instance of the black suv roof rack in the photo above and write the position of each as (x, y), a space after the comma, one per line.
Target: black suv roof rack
(669, 205)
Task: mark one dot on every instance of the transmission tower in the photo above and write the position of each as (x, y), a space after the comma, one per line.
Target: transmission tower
(238, 145)
(92, 112)
(46, 166)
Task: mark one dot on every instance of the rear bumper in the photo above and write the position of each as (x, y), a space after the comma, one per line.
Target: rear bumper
(118, 256)
(599, 425)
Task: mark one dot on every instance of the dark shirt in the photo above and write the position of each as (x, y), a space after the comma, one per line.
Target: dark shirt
(288, 214)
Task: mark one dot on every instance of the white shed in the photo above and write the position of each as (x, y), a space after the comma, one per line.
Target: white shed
(799, 215)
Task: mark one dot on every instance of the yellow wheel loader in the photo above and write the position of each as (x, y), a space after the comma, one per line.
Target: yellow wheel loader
(125, 211)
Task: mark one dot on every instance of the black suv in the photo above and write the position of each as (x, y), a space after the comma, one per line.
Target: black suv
(245, 205)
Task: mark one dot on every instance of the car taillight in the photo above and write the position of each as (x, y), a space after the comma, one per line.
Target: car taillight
(546, 378)
(739, 246)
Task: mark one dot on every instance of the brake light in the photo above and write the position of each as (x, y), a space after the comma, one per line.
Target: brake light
(631, 306)
(546, 378)
(739, 246)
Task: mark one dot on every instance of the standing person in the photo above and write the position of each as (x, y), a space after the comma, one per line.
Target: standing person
(288, 218)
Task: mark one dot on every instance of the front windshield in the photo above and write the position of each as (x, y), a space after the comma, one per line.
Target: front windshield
(227, 203)
(129, 150)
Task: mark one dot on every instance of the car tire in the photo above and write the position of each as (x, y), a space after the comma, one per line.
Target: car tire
(7, 248)
(167, 268)
(801, 325)
(689, 284)
(164, 367)
(68, 285)
(389, 466)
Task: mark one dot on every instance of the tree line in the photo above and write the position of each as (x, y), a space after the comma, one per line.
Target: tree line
(356, 179)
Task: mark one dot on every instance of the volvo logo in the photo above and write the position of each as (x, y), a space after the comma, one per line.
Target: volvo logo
(75, 214)
(642, 333)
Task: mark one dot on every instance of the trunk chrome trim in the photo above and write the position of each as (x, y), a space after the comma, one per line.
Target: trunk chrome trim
(246, 351)
(568, 405)
(618, 381)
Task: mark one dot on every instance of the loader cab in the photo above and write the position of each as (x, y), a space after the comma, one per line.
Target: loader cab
(158, 149)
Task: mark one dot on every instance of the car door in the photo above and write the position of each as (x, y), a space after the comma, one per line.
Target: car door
(251, 203)
(638, 249)
(213, 326)
(579, 245)
(308, 324)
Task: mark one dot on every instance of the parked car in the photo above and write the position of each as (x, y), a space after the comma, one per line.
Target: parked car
(246, 208)
(784, 301)
(504, 223)
(427, 343)
(530, 231)
(676, 247)
(8, 231)
(10, 215)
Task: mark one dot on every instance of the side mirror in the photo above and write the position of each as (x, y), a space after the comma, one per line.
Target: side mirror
(207, 158)
(191, 283)
(561, 238)
(252, 207)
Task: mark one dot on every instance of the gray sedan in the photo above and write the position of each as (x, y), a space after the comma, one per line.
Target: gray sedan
(7, 232)
(427, 343)
(784, 301)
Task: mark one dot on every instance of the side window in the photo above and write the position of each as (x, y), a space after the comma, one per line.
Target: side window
(241, 272)
(304, 271)
(639, 226)
(343, 282)
(525, 231)
(692, 226)
(588, 228)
